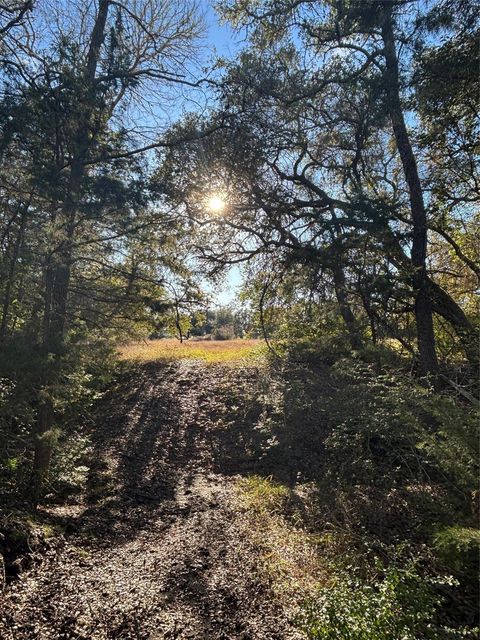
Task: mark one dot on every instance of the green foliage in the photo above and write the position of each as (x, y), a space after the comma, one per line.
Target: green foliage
(375, 425)
(19, 370)
(454, 442)
(400, 604)
(77, 380)
(220, 324)
(375, 428)
(458, 548)
(311, 332)
(373, 462)
(70, 464)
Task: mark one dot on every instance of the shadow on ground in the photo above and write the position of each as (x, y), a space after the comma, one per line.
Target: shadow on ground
(157, 429)
(158, 548)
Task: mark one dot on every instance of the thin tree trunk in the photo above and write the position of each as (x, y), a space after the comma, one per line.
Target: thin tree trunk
(365, 296)
(423, 306)
(339, 282)
(345, 308)
(178, 323)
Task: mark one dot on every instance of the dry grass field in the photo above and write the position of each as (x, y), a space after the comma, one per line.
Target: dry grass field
(210, 351)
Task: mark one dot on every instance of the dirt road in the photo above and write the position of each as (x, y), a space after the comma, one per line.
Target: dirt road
(158, 547)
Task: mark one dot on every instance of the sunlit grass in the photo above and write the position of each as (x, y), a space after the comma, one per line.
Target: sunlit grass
(289, 552)
(263, 495)
(209, 351)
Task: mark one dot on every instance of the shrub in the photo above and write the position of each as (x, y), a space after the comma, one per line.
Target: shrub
(459, 549)
(386, 461)
(399, 606)
(263, 495)
(225, 332)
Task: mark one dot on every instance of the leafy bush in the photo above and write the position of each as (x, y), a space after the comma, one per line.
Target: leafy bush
(69, 469)
(401, 605)
(459, 548)
(87, 366)
(454, 443)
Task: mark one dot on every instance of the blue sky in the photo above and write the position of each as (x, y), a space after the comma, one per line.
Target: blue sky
(222, 41)
(220, 36)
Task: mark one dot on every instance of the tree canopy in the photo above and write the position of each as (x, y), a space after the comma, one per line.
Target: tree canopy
(333, 160)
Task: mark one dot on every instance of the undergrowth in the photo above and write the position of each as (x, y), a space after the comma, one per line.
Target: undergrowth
(366, 507)
(86, 375)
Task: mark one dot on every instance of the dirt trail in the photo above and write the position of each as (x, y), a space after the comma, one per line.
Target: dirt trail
(157, 549)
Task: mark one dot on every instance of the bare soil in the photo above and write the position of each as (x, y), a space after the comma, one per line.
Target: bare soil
(157, 547)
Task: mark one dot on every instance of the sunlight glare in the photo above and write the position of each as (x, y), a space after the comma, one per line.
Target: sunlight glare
(216, 204)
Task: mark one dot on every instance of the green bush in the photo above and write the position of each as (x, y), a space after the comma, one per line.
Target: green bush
(459, 549)
(85, 369)
(401, 605)
(453, 442)
(69, 467)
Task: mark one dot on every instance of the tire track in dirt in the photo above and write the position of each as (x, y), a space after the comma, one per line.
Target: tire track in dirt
(157, 549)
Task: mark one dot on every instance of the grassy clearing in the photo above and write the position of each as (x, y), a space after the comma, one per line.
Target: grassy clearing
(210, 351)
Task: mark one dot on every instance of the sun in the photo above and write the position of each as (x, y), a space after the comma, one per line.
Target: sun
(216, 203)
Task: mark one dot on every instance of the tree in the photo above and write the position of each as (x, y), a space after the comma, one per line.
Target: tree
(317, 158)
(12, 13)
(368, 31)
(82, 193)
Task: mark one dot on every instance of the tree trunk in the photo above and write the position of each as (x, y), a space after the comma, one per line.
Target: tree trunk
(442, 303)
(445, 306)
(423, 305)
(345, 308)
(368, 310)
(58, 273)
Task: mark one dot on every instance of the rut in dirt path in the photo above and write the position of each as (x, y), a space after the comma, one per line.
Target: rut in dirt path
(158, 548)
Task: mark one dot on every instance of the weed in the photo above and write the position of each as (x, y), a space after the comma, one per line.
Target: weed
(263, 495)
